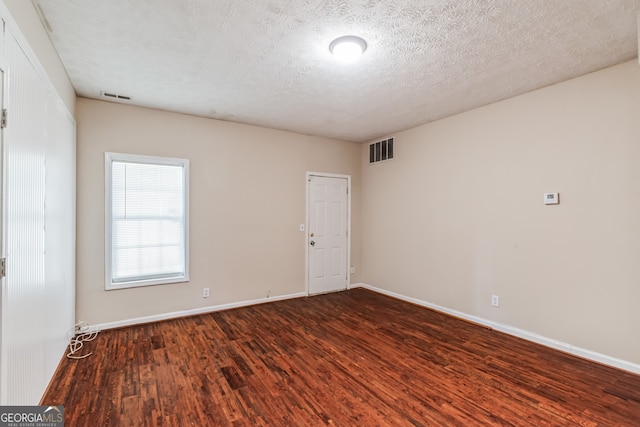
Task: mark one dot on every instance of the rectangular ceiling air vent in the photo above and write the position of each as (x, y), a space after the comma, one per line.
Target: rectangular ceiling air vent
(114, 96)
(381, 151)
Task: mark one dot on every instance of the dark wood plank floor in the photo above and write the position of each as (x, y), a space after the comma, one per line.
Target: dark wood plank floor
(353, 358)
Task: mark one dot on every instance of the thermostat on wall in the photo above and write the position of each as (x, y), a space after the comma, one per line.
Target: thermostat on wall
(551, 198)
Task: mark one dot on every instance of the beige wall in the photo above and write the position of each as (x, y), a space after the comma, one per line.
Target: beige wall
(26, 17)
(248, 193)
(458, 215)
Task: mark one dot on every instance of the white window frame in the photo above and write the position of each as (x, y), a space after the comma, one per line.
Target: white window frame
(154, 160)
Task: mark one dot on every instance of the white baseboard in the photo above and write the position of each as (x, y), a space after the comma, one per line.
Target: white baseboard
(520, 333)
(192, 312)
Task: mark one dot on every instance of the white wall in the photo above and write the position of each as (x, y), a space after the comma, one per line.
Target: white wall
(458, 215)
(247, 199)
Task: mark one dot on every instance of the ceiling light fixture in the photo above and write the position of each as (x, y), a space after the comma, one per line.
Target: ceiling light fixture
(348, 48)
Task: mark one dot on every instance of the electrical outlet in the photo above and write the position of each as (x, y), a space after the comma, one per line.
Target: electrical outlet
(205, 292)
(495, 300)
(353, 270)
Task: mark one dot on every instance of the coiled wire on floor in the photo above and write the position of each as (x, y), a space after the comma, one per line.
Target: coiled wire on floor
(82, 332)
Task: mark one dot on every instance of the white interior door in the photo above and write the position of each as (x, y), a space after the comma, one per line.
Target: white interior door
(328, 241)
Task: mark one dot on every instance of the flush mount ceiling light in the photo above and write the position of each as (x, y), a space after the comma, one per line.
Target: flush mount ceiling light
(348, 48)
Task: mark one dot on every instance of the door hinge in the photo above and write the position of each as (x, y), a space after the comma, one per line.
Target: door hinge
(3, 268)
(3, 120)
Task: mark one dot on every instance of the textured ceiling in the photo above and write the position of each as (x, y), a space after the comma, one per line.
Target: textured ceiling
(267, 62)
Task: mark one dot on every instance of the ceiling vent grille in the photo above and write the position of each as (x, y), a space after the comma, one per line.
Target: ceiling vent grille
(381, 151)
(115, 96)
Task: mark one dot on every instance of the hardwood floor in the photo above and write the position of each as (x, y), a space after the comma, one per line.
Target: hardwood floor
(353, 358)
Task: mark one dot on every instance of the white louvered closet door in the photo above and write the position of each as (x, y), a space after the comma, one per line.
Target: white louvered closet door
(39, 231)
(25, 153)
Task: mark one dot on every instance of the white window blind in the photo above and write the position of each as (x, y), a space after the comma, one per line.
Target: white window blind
(146, 220)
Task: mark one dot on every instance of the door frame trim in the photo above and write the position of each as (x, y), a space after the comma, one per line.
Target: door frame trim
(306, 232)
(3, 292)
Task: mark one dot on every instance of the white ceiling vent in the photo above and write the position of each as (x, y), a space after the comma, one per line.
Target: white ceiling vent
(115, 97)
(381, 151)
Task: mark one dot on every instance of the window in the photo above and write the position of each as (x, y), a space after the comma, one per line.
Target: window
(146, 220)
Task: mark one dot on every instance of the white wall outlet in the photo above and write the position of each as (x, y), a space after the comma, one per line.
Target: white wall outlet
(205, 292)
(495, 300)
(353, 270)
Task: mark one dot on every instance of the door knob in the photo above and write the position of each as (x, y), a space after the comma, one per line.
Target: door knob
(312, 243)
